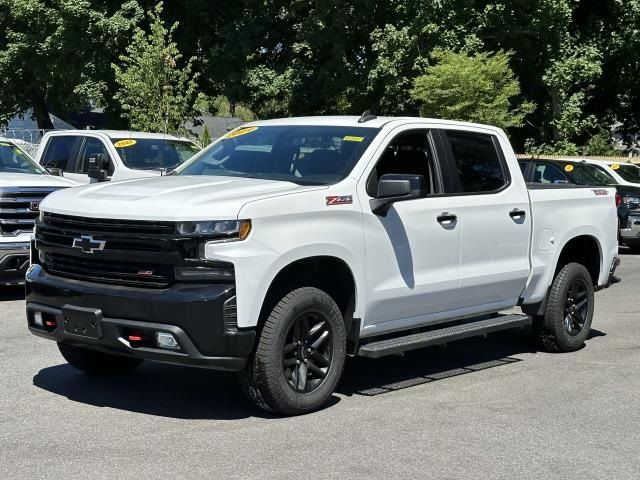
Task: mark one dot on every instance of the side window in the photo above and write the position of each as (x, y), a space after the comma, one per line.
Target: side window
(90, 148)
(546, 173)
(479, 165)
(58, 153)
(408, 153)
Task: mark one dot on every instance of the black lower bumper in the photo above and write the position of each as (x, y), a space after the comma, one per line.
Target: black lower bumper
(192, 313)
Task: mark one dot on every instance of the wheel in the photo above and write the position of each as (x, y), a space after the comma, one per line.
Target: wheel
(300, 354)
(97, 363)
(569, 311)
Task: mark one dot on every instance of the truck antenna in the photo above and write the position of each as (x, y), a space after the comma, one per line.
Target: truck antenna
(366, 116)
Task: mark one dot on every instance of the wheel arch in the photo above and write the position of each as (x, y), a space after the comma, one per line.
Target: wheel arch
(583, 249)
(328, 273)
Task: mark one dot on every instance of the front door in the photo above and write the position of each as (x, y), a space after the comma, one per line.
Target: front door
(413, 253)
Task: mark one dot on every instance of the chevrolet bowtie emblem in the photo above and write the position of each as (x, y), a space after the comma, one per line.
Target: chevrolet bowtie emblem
(88, 244)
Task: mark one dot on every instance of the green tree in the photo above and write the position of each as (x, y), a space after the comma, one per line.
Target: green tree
(156, 92)
(56, 55)
(478, 88)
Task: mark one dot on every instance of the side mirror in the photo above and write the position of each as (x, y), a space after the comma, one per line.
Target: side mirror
(98, 166)
(56, 172)
(394, 188)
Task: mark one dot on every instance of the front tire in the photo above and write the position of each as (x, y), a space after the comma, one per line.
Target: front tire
(569, 311)
(97, 363)
(300, 354)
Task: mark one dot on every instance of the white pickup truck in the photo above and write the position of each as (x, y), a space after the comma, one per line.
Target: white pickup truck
(23, 185)
(289, 244)
(121, 155)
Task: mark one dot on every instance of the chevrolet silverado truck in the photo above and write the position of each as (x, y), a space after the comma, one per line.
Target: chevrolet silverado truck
(288, 245)
(23, 185)
(92, 156)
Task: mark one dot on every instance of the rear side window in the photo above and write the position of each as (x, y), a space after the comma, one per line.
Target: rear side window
(478, 163)
(59, 152)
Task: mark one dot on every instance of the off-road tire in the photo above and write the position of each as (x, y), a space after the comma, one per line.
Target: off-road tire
(263, 380)
(97, 363)
(550, 328)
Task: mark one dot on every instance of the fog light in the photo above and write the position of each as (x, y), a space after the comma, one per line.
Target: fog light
(37, 319)
(166, 340)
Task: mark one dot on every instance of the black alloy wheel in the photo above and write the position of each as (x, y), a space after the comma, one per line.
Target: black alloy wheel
(307, 353)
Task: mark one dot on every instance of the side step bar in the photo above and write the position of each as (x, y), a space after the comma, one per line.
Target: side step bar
(392, 346)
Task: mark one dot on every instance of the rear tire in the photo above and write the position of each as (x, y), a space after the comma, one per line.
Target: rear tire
(300, 354)
(569, 312)
(96, 363)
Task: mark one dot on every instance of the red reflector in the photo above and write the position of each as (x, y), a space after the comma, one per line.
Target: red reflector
(618, 200)
(135, 338)
(49, 323)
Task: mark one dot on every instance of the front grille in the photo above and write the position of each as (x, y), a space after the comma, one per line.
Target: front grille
(120, 252)
(19, 208)
(101, 271)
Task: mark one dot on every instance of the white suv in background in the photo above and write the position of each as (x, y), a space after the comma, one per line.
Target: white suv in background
(124, 155)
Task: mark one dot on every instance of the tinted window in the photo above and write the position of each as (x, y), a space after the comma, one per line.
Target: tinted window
(546, 173)
(477, 161)
(90, 148)
(589, 174)
(59, 151)
(293, 153)
(630, 173)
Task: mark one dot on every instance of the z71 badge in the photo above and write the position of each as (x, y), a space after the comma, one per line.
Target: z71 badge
(340, 200)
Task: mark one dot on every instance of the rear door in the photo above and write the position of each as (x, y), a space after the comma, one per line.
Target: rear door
(495, 220)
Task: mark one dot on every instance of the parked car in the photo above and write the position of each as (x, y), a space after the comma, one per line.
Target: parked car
(592, 173)
(122, 155)
(289, 244)
(624, 173)
(23, 185)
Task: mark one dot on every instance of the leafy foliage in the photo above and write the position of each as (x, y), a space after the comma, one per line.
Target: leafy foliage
(156, 94)
(56, 54)
(478, 88)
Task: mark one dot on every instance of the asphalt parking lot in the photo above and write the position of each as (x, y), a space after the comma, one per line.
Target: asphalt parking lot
(494, 408)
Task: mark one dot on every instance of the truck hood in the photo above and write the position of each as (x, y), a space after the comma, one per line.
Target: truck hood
(33, 180)
(169, 198)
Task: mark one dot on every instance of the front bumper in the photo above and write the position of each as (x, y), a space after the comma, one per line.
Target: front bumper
(14, 261)
(192, 313)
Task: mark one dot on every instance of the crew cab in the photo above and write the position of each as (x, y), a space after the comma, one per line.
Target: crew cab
(122, 155)
(592, 173)
(289, 244)
(23, 185)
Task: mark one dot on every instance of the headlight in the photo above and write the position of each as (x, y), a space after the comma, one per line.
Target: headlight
(222, 231)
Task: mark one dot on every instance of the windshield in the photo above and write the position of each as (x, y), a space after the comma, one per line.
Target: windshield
(154, 153)
(630, 173)
(312, 155)
(589, 174)
(14, 160)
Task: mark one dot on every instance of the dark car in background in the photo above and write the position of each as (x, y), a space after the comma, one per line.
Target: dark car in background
(580, 172)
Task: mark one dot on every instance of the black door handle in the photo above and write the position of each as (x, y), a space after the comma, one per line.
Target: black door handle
(517, 213)
(447, 217)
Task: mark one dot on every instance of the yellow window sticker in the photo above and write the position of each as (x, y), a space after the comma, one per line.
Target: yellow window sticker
(615, 167)
(568, 168)
(124, 143)
(242, 131)
(351, 138)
